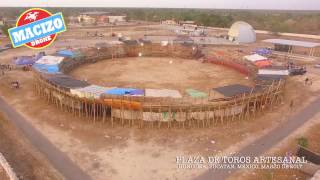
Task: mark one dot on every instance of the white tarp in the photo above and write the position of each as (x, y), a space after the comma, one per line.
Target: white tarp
(152, 116)
(284, 72)
(50, 60)
(162, 93)
(92, 91)
(288, 42)
(255, 57)
(126, 114)
(115, 42)
(164, 43)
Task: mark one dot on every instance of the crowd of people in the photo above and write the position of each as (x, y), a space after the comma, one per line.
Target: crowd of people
(9, 67)
(5, 67)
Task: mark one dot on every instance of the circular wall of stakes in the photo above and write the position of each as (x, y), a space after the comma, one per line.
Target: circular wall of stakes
(153, 106)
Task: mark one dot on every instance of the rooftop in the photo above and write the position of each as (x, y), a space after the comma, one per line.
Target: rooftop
(234, 90)
(95, 13)
(306, 44)
(100, 13)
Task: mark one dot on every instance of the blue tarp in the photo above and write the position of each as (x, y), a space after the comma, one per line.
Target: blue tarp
(28, 60)
(263, 51)
(39, 55)
(120, 91)
(51, 69)
(66, 53)
(24, 60)
(137, 92)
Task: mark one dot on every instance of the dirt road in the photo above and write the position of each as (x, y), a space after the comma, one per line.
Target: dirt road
(267, 141)
(59, 160)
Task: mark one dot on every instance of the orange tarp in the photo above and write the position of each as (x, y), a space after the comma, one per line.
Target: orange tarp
(238, 67)
(221, 53)
(264, 63)
(119, 104)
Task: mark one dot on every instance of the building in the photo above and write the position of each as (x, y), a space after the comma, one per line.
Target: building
(100, 17)
(9, 22)
(169, 22)
(114, 19)
(181, 23)
(72, 19)
(295, 47)
(242, 32)
(92, 17)
(191, 32)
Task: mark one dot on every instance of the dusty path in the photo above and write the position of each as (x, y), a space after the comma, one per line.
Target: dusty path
(59, 160)
(269, 140)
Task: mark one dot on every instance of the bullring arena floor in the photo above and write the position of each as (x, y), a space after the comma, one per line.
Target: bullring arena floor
(160, 73)
(129, 153)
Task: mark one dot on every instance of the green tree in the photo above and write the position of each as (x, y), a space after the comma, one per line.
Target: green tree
(302, 141)
(4, 29)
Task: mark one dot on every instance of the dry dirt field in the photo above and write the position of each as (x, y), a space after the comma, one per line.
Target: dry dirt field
(3, 174)
(310, 132)
(26, 162)
(125, 153)
(153, 72)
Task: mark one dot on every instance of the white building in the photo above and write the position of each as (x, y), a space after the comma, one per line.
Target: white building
(101, 17)
(242, 32)
(117, 18)
(169, 22)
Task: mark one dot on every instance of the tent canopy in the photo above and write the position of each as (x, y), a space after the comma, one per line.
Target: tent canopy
(51, 69)
(269, 77)
(28, 60)
(263, 51)
(24, 60)
(196, 94)
(287, 42)
(255, 57)
(69, 53)
(263, 64)
(282, 72)
(66, 53)
(234, 90)
(120, 91)
(137, 92)
(50, 60)
(92, 91)
(67, 82)
(163, 93)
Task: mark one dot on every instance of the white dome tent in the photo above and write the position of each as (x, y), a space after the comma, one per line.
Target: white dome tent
(242, 32)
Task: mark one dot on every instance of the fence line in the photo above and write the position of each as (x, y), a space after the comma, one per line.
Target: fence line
(6, 166)
(156, 112)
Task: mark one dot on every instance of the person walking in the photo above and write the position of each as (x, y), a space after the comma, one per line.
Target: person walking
(291, 104)
(306, 81)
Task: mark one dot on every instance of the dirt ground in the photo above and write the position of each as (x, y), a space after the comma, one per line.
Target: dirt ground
(3, 174)
(310, 132)
(163, 73)
(126, 153)
(26, 162)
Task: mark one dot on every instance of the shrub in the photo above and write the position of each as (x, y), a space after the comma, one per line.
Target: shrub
(303, 142)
